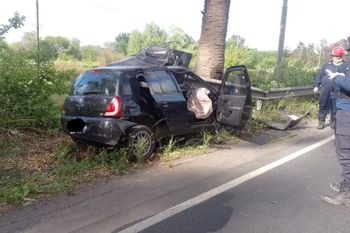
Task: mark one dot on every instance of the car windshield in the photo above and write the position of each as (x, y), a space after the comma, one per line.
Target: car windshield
(96, 82)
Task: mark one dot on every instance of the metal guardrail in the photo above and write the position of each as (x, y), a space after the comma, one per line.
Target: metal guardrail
(259, 94)
(278, 93)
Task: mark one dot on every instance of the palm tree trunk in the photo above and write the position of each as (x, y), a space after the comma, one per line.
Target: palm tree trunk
(211, 51)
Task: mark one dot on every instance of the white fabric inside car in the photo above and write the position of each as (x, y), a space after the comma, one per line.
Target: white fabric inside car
(199, 103)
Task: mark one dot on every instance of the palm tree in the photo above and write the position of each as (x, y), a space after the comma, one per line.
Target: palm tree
(211, 50)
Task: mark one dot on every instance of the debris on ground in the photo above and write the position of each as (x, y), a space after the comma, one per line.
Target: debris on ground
(290, 121)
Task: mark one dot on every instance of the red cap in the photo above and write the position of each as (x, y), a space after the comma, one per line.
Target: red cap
(338, 51)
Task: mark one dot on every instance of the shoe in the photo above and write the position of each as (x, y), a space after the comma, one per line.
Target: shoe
(342, 198)
(321, 119)
(340, 187)
(320, 125)
(333, 119)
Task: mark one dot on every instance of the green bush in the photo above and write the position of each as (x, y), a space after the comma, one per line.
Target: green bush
(26, 92)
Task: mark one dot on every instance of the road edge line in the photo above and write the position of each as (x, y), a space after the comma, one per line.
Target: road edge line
(146, 223)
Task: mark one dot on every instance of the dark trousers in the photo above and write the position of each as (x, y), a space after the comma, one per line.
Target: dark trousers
(342, 142)
(326, 102)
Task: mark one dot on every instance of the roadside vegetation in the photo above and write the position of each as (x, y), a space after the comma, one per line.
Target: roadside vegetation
(37, 160)
(277, 110)
(35, 165)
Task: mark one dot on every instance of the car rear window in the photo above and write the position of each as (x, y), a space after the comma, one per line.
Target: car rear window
(97, 82)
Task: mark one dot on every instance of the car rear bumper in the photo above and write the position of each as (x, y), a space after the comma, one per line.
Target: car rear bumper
(102, 130)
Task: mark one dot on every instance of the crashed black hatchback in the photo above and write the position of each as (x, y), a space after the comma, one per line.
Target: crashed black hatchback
(152, 95)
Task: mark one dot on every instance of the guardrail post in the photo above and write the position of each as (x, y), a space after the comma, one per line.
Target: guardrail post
(259, 104)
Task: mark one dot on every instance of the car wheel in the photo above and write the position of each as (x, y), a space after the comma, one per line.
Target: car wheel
(140, 143)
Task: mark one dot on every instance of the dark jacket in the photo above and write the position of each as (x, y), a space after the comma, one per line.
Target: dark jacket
(343, 100)
(326, 70)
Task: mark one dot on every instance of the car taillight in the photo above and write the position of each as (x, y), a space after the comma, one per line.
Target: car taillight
(114, 108)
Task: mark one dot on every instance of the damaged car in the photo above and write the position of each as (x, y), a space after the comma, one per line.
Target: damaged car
(139, 100)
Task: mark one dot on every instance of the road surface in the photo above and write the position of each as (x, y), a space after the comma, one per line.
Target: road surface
(271, 182)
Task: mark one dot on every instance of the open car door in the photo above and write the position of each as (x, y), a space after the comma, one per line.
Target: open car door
(235, 99)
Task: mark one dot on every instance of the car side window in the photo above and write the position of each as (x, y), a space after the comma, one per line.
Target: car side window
(126, 88)
(235, 84)
(161, 82)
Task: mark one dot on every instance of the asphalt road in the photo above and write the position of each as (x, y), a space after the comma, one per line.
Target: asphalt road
(271, 182)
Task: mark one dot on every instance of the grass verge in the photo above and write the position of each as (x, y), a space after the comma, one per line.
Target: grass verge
(33, 166)
(36, 165)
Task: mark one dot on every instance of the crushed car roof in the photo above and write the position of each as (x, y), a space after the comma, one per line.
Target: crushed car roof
(156, 56)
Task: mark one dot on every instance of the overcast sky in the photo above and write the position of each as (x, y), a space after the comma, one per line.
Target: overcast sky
(258, 21)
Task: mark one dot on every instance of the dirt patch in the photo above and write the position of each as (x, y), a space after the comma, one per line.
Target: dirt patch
(29, 151)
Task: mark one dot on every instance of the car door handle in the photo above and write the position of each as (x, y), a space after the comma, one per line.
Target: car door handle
(164, 104)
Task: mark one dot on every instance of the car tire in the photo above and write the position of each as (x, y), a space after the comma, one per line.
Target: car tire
(140, 143)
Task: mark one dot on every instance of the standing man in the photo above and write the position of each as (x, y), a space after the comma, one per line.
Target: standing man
(325, 85)
(342, 139)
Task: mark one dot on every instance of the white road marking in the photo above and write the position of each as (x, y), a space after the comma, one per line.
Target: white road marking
(142, 225)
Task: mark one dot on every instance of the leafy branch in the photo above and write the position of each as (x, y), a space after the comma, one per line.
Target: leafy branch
(17, 21)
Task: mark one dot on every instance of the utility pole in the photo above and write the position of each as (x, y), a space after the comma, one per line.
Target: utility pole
(281, 41)
(319, 58)
(38, 37)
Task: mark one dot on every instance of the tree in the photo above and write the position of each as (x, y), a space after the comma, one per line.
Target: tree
(236, 53)
(210, 58)
(17, 21)
(74, 49)
(151, 35)
(52, 46)
(135, 43)
(90, 52)
(181, 41)
(121, 43)
(306, 55)
(28, 45)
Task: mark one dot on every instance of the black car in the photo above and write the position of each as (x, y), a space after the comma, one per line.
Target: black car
(152, 95)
